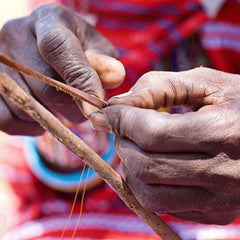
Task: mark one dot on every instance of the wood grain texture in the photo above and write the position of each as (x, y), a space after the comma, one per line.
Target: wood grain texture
(74, 92)
(50, 123)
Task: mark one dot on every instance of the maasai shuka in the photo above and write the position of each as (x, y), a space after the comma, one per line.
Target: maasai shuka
(149, 35)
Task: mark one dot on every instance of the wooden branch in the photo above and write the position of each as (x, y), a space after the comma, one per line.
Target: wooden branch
(28, 104)
(74, 92)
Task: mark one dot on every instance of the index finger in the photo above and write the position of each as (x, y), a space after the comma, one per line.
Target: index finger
(76, 51)
(54, 28)
(163, 132)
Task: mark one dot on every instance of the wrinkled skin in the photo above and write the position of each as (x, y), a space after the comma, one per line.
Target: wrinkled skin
(187, 165)
(58, 43)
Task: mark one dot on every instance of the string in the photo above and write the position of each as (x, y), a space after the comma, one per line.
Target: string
(74, 202)
(81, 206)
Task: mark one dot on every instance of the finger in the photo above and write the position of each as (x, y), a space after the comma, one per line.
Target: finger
(110, 71)
(187, 169)
(101, 55)
(169, 198)
(26, 52)
(162, 89)
(62, 50)
(18, 79)
(56, 101)
(163, 132)
(12, 125)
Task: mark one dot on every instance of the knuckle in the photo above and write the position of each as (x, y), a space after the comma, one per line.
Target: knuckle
(138, 99)
(150, 77)
(143, 97)
(53, 14)
(154, 78)
(55, 8)
(198, 71)
(14, 35)
(10, 27)
(14, 32)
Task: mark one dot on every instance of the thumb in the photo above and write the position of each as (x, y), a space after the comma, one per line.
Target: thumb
(110, 71)
(102, 56)
(62, 40)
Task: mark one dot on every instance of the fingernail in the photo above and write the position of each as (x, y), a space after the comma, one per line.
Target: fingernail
(99, 121)
(124, 94)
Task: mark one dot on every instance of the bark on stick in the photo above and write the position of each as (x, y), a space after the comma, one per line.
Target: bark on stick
(49, 122)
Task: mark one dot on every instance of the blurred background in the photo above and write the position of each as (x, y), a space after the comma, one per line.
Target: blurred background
(12, 8)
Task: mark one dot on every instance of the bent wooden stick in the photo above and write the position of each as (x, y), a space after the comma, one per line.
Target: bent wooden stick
(49, 122)
(74, 92)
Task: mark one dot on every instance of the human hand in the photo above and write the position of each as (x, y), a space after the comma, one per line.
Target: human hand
(186, 165)
(60, 44)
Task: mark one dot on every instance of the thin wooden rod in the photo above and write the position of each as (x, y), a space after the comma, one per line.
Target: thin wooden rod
(49, 122)
(74, 92)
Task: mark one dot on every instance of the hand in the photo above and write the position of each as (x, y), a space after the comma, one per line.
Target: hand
(187, 165)
(58, 43)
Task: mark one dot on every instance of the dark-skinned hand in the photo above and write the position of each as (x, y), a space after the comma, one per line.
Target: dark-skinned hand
(58, 43)
(186, 165)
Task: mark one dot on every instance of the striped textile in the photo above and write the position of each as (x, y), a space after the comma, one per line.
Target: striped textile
(149, 35)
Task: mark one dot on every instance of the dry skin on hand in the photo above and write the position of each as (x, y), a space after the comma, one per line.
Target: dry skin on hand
(74, 92)
(49, 122)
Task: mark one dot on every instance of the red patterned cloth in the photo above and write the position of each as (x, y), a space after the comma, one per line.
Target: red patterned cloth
(30, 210)
(146, 32)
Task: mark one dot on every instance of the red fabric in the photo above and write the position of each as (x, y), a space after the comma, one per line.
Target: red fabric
(30, 210)
(23, 198)
(225, 54)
